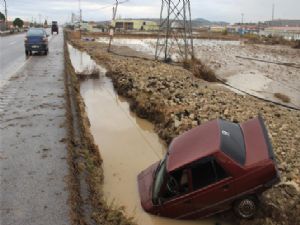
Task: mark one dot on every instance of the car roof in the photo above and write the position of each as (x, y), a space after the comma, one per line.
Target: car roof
(194, 144)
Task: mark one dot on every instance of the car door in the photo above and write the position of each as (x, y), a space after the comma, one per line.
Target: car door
(176, 205)
(212, 186)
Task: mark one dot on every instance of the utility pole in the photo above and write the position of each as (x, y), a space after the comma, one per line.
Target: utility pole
(175, 34)
(113, 23)
(242, 18)
(80, 18)
(5, 14)
(273, 11)
(40, 19)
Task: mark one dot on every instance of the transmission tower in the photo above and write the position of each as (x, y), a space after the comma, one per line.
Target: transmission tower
(175, 30)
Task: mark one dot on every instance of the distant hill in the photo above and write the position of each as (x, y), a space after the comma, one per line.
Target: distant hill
(204, 22)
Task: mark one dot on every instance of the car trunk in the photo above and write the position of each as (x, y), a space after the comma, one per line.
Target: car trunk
(257, 142)
(35, 39)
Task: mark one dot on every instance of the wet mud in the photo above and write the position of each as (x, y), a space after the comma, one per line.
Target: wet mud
(261, 76)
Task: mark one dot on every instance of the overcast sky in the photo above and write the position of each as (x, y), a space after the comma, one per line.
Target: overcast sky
(214, 10)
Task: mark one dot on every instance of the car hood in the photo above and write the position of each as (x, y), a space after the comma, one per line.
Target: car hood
(145, 183)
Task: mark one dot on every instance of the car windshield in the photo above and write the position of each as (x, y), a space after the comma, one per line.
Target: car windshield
(159, 179)
(35, 32)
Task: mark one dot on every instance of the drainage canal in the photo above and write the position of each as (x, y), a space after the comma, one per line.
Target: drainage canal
(127, 143)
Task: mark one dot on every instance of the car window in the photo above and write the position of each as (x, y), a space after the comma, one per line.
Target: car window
(206, 172)
(35, 32)
(232, 141)
(177, 184)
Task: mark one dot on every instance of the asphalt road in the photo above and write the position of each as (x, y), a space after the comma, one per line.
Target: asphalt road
(12, 56)
(33, 166)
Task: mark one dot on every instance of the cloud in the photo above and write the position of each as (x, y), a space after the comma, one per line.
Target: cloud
(226, 10)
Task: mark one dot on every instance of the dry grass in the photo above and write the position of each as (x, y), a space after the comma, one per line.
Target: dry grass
(296, 44)
(200, 70)
(282, 97)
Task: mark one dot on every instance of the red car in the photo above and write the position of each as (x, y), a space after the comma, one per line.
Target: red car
(212, 168)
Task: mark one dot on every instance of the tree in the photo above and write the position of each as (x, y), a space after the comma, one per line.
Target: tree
(18, 22)
(2, 17)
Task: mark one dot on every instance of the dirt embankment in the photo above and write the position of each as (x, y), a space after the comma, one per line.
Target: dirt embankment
(88, 203)
(175, 101)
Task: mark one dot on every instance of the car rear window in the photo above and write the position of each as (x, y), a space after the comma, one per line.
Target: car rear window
(35, 32)
(232, 141)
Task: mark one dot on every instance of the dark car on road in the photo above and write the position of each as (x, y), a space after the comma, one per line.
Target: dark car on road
(214, 167)
(54, 27)
(36, 40)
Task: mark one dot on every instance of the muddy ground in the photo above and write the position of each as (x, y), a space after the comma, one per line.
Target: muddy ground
(175, 101)
(259, 70)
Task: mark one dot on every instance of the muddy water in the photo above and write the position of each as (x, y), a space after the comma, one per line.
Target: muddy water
(127, 143)
(82, 62)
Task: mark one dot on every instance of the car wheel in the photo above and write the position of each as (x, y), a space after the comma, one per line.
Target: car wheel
(246, 207)
(46, 52)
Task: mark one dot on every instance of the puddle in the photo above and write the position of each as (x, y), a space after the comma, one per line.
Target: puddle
(261, 86)
(141, 45)
(148, 45)
(250, 83)
(127, 143)
(83, 63)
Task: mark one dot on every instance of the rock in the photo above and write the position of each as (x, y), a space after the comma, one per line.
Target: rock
(177, 123)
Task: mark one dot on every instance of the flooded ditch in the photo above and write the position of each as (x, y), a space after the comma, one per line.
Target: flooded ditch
(127, 143)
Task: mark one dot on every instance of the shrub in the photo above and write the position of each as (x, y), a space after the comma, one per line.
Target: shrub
(200, 70)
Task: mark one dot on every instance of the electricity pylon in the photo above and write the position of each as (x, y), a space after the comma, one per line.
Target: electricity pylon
(175, 36)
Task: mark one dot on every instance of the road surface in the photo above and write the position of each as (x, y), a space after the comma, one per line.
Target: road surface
(33, 155)
(12, 56)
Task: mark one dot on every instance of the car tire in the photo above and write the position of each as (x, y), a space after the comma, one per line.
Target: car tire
(46, 52)
(246, 207)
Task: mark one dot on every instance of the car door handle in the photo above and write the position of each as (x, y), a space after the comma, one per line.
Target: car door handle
(225, 187)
